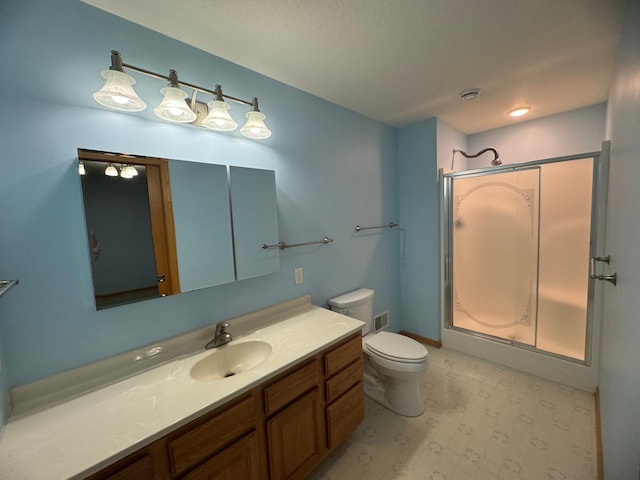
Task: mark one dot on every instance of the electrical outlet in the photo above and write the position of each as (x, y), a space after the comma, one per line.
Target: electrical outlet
(298, 275)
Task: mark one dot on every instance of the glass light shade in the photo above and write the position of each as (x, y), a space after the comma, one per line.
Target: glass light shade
(81, 169)
(125, 173)
(118, 93)
(255, 127)
(132, 170)
(219, 118)
(173, 107)
(111, 171)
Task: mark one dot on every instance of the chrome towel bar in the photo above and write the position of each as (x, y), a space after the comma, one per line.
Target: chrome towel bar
(391, 225)
(282, 245)
(6, 285)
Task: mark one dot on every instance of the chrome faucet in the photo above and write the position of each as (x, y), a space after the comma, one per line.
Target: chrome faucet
(222, 336)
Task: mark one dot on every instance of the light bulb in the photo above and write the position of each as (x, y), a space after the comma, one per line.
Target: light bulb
(520, 111)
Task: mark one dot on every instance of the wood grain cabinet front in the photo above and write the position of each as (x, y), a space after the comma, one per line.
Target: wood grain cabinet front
(240, 460)
(296, 438)
(344, 391)
(197, 443)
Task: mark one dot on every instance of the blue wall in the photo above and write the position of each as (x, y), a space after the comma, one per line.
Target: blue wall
(334, 169)
(420, 231)
(619, 379)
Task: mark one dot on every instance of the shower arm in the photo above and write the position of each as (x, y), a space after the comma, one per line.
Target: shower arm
(496, 157)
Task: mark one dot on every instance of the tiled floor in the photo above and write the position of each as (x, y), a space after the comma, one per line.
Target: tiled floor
(482, 421)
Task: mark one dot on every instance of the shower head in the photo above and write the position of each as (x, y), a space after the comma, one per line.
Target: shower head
(496, 158)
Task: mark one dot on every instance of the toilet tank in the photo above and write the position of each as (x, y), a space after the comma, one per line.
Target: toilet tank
(357, 304)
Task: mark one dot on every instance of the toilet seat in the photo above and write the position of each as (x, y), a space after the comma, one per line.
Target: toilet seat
(396, 347)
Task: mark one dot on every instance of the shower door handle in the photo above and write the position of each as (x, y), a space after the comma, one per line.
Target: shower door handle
(613, 278)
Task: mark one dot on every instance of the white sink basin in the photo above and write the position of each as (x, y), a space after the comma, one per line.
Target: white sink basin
(231, 359)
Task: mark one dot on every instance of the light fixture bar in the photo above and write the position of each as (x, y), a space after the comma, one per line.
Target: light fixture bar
(159, 76)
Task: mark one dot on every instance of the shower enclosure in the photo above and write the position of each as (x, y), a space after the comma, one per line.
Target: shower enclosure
(518, 239)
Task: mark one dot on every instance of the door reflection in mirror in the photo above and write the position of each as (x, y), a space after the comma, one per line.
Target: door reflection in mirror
(129, 228)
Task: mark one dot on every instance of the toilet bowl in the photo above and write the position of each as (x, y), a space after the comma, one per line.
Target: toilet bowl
(394, 364)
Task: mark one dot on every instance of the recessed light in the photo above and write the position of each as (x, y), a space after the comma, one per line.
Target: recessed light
(520, 111)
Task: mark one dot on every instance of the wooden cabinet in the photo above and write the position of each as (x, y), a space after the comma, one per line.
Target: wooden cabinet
(296, 438)
(194, 444)
(344, 391)
(295, 422)
(279, 430)
(238, 461)
(148, 463)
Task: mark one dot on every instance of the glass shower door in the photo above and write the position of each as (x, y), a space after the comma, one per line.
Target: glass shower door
(494, 244)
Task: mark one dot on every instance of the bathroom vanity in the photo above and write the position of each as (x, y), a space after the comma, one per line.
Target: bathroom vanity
(277, 420)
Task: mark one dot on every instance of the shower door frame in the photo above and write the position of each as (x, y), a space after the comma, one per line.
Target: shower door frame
(596, 236)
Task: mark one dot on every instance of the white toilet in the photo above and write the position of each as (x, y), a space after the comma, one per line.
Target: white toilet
(394, 364)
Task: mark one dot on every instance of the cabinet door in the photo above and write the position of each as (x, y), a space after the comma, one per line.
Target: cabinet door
(344, 415)
(255, 221)
(296, 438)
(238, 461)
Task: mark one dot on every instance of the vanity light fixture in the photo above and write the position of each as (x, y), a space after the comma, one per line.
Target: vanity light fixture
(131, 170)
(125, 173)
(111, 170)
(520, 111)
(255, 127)
(173, 108)
(219, 118)
(118, 94)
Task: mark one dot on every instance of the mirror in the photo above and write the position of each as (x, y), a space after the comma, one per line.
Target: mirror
(159, 227)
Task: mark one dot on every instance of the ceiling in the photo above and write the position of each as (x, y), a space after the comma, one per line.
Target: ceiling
(401, 61)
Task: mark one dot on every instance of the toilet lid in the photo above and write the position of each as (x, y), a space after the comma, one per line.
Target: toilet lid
(396, 347)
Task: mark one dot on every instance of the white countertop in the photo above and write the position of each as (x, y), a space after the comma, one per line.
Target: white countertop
(82, 435)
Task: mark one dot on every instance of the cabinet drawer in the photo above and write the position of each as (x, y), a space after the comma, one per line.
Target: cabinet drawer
(291, 387)
(344, 415)
(237, 461)
(345, 354)
(343, 381)
(204, 440)
(141, 468)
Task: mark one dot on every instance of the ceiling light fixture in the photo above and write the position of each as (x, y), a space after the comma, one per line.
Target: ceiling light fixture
(520, 111)
(118, 94)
